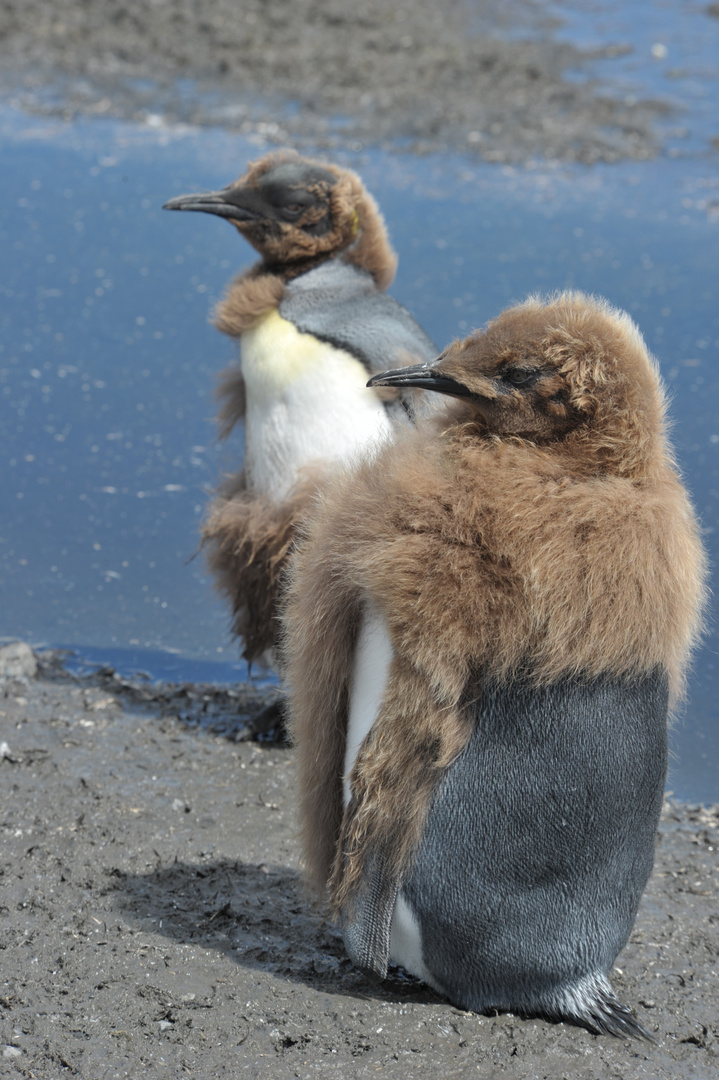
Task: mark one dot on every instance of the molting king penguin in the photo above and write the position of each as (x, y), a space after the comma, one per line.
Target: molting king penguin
(485, 630)
(313, 321)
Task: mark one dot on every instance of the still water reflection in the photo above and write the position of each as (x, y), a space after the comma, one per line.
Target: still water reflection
(107, 360)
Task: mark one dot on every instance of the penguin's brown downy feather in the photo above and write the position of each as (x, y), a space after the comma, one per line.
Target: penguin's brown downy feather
(396, 774)
(249, 538)
(488, 552)
(250, 296)
(231, 394)
(369, 246)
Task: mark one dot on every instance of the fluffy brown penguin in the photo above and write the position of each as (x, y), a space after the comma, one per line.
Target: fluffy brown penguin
(313, 321)
(485, 629)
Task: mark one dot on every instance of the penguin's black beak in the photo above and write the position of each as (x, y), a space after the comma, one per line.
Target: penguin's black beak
(424, 377)
(232, 203)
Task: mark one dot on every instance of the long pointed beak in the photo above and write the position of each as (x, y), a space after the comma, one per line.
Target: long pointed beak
(422, 376)
(213, 202)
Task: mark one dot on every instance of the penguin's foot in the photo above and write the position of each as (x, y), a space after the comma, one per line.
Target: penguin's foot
(267, 724)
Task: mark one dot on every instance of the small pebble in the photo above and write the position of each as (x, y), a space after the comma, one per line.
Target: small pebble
(17, 661)
(11, 1052)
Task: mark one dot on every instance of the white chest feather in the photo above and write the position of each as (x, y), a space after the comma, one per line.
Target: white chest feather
(306, 402)
(373, 657)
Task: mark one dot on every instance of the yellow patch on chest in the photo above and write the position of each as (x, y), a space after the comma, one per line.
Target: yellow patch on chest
(275, 355)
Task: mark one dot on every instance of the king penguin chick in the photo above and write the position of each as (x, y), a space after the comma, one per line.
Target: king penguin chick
(313, 322)
(485, 629)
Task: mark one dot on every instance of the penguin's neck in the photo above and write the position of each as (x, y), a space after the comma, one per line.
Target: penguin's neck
(289, 271)
(306, 404)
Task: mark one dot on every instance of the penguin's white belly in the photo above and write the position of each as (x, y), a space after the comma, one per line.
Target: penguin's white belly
(370, 674)
(306, 402)
(405, 942)
(373, 656)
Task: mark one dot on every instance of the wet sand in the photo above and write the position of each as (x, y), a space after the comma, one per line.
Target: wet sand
(152, 917)
(431, 76)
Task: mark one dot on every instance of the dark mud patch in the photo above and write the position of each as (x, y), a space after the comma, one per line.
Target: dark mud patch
(330, 72)
(152, 918)
(221, 710)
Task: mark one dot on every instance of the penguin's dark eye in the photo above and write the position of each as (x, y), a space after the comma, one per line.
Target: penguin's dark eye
(292, 210)
(519, 377)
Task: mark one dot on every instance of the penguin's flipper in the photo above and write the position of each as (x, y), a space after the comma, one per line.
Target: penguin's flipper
(367, 920)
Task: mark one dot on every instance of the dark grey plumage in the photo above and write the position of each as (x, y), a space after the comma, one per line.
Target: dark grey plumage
(537, 847)
(340, 303)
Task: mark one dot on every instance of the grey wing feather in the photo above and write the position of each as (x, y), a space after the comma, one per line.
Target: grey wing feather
(339, 303)
(366, 928)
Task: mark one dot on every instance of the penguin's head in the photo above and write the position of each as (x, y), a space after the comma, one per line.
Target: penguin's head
(297, 212)
(571, 367)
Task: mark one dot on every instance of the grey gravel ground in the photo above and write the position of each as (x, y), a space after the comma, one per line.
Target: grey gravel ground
(433, 75)
(152, 919)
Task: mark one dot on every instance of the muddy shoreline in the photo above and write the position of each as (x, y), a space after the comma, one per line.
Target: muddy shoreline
(423, 76)
(152, 917)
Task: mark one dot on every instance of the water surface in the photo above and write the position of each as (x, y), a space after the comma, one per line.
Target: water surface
(107, 359)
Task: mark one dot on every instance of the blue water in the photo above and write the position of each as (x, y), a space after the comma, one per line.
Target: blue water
(666, 49)
(107, 359)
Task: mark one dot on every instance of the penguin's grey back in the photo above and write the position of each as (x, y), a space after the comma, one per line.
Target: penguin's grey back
(537, 847)
(540, 841)
(340, 303)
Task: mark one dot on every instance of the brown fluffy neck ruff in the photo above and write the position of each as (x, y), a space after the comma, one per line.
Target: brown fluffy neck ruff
(488, 558)
(248, 298)
(358, 234)
(368, 245)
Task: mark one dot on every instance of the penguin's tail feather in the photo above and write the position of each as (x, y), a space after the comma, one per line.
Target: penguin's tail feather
(593, 1003)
